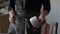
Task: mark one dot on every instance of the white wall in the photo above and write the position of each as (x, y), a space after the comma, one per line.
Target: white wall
(54, 14)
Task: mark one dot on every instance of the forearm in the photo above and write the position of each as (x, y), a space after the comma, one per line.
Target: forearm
(11, 7)
(44, 13)
(11, 13)
(46, 8)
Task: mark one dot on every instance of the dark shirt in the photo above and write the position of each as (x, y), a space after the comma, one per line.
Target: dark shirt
(30, 7)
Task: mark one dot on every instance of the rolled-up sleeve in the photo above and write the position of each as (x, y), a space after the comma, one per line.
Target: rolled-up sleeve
(11, 5)
(46, 5)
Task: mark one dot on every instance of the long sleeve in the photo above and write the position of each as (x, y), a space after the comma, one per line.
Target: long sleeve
(11, 5)
(46, 5)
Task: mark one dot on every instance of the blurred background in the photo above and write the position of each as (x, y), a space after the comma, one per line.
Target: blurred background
(4, 23)
(52, 18)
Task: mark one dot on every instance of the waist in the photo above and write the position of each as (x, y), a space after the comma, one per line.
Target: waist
(27, 13)
(26, 9)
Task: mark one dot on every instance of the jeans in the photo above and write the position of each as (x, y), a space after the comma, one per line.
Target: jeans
(22, 25)
(18, 27)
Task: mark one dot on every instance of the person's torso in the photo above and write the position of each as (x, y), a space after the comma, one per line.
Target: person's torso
(28, 7)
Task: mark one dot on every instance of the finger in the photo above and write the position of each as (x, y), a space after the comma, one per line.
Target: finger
(43, 22)
(39, 22)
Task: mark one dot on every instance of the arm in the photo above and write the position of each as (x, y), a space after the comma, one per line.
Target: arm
(46, 8)
(11, 9)
(45, 12)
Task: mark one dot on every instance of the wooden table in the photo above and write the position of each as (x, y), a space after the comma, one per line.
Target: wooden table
(4, 23)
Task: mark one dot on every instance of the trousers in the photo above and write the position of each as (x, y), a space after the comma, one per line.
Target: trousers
(18, 27)
(22, 25)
